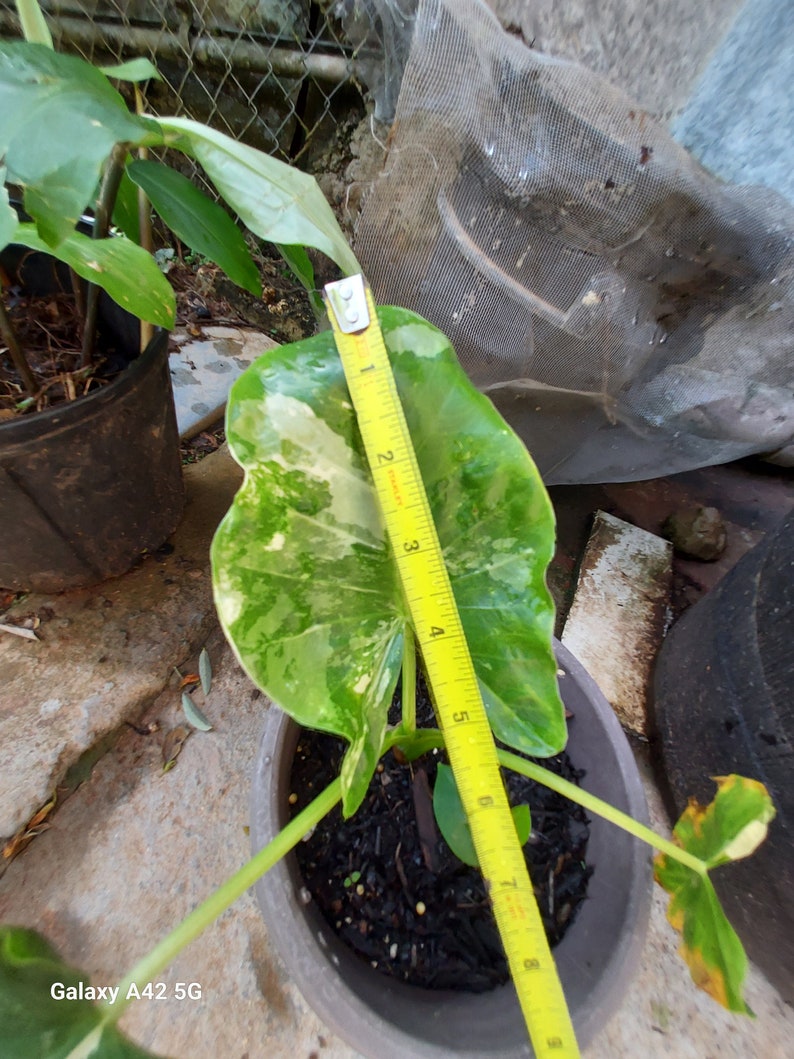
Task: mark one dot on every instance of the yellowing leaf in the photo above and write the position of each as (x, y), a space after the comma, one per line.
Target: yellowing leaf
(172, 744)
(730, 827)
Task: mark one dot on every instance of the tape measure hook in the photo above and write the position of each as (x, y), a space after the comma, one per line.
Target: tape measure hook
(348, 301)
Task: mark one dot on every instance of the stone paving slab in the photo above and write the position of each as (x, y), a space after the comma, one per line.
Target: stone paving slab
(203, 369)
(104, 653)
(136, 848)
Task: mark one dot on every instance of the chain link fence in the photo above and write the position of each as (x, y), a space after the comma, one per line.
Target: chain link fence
(276, 74)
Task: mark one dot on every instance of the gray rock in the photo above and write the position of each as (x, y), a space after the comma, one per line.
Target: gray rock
(697, 533)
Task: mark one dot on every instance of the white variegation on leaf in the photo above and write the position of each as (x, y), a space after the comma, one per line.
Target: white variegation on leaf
(305, 583)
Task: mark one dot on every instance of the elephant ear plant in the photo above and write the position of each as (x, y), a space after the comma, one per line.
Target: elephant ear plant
(306, 586)
(307, 592)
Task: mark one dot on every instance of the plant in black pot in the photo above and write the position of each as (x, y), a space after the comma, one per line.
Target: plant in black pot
(90, 475)
(308, 591)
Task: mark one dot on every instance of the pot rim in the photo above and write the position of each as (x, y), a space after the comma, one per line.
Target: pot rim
(388, 1019)
(26, 428)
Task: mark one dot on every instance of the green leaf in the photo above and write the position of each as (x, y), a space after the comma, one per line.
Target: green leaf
(451, 818)
(274, 200)
(126, 215)
(134, 70)
(300, 265)
(194, 714)
(128, 273)
(37, 1025)
(730, 828)
(198, 221)
(8, 217)
(59, 120)
(205, 671)
(304, 580)
(522, 818)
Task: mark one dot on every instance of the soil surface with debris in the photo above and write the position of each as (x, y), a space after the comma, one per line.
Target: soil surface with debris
(389, 886)
(48, 325)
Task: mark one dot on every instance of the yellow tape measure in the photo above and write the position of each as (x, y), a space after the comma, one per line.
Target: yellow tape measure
(450, 670)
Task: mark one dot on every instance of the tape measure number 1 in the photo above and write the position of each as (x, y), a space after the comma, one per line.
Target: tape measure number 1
(450, 672)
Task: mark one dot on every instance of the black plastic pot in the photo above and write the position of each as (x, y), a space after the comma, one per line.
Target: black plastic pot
(87, 487)
(386, 1019)
(724, 694)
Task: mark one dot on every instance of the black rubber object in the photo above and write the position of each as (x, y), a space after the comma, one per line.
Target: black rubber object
(724, 696)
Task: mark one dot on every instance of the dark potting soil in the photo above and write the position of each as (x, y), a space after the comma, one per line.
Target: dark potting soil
(388, 885)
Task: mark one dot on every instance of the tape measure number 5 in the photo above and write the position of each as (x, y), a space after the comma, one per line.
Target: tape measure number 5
(450, 671)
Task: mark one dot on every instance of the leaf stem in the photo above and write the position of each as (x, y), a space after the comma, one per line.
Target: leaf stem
(409, 682)
(164, 952)
(600, 808)
(114, 170)
(144, 220)
(417, 743)
(8, 335)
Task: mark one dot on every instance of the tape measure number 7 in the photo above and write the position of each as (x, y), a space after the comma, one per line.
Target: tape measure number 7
(450, 671)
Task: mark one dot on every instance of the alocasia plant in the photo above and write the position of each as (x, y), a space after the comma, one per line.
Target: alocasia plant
(305, 584)
(306, 592)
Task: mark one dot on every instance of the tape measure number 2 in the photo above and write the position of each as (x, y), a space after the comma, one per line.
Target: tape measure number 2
(450, 671)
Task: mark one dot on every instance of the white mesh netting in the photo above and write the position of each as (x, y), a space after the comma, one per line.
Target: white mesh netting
(629, 314)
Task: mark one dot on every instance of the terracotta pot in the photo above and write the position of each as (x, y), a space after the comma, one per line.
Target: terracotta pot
(386, 1019)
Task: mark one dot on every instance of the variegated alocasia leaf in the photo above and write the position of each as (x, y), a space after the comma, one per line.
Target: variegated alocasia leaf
(305, 585)
(730, 828)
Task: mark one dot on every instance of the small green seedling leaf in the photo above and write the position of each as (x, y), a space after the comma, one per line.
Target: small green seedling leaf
(205, 671)
(451, 818)
(523, 821)
(194, 714)
(730, 828)
(39, 1020)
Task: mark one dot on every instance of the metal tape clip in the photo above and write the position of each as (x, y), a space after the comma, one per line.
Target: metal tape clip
(348, 299)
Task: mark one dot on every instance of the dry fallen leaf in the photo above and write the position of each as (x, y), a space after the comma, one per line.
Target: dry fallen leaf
(17, 630)
(35, 826)
(172, 744)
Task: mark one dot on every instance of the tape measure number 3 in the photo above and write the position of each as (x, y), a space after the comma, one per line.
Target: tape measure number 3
(450, 671)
